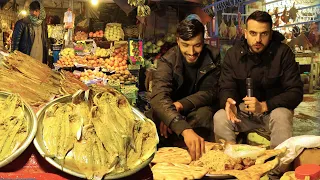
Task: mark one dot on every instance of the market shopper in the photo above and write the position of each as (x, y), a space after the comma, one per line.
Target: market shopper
(30, 34)
(276, 85)
(184, 88)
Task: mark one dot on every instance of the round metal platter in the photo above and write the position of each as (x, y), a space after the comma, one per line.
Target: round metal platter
(219, 176)
(32, 129)
(40, 146)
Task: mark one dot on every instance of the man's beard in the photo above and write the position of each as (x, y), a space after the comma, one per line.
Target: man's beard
(257, 48)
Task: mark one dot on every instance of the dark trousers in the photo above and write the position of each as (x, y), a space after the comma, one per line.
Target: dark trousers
(201, 122)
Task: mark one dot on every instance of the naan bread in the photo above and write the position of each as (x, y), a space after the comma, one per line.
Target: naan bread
(212, 146)
(270, 153)
(172, 171)
(172, 155)
(252, 173)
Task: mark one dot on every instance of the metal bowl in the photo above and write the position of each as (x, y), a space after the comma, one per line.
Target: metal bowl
(68, 167)
(32, 129)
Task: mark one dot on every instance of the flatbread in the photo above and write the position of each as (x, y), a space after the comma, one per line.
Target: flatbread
(172, 155)
(252, 173)
(168, 171)
(270, 153)
(212, 146)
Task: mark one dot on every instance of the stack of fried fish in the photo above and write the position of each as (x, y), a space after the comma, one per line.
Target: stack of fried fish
(101, 132)
(13, 125)
(36, 83)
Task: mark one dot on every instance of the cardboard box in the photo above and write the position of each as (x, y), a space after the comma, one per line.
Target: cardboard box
(308, 156)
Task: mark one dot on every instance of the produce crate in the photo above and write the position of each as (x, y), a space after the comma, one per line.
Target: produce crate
(131, 93)
(135, 51)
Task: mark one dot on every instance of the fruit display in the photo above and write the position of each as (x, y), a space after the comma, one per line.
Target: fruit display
(85, 47)
(113, 32)
(80, 36)
(96, 34)
(91, 61)
(118, 59)
(79, 46)
(125, 77)
(135, 48)
(100, 130)
(88, 75)
(117, 64)
(101, 52)
(67, 52)
(66, 61)
(136, 51)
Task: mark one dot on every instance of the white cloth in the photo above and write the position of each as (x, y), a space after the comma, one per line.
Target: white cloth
(295, 146)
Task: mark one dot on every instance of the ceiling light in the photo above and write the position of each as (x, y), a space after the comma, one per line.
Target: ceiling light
(94, 2)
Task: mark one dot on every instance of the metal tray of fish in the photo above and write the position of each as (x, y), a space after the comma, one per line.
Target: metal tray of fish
(31, 131)
(70, 168)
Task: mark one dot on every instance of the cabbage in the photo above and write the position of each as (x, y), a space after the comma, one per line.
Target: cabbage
(160, 43)
(149, 43)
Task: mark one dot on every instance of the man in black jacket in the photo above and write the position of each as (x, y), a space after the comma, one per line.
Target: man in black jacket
(185, 86)
(30, 34)
(277, 87)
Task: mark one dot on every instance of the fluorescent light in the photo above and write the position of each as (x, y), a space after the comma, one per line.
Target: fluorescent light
(23, 12)
(94, 2)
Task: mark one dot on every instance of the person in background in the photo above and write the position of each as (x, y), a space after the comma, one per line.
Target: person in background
(30, 34)
(185, 87)
(277, 87)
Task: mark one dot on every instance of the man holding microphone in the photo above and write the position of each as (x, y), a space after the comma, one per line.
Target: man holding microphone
(260, 84)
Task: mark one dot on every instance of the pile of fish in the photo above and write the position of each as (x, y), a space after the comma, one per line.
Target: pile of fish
(101, 132)
(36, 83)
(13, 125)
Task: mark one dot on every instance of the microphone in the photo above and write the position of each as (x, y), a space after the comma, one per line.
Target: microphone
(249, 87)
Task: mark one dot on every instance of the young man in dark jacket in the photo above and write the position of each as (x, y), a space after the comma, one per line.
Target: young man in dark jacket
(185, 86)
(30, 34)
(277, 87)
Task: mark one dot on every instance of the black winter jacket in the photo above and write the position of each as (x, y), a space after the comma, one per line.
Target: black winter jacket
(23, 37)
(275, 74)
(168, 78)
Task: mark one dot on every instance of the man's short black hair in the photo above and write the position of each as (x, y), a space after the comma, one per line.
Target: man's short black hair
(35, 5)
(188, 29)
(260, 16)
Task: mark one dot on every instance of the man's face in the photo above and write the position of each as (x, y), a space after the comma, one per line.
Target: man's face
(192, 48)
(35, 13)
(258, 35)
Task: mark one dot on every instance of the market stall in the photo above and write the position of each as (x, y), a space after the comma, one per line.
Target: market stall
(83, 120)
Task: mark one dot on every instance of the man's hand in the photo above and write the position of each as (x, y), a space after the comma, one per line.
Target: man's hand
(231, 110)
(178, 105)
(164, 130)
(253, 105)
(194, 143)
